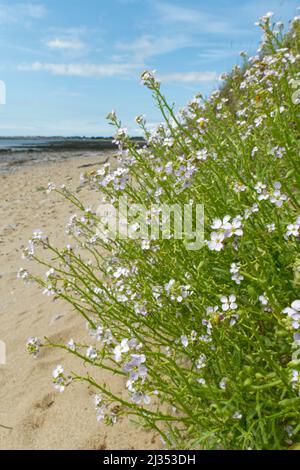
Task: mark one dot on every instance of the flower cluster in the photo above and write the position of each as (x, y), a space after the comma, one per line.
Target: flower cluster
(60, 380)
(223, 229)
(33, 346)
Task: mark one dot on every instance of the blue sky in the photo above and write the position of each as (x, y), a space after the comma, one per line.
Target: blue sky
(67, 63)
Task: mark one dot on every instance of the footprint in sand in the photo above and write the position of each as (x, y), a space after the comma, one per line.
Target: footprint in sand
(95, 443)
(45, 402)
(36, 417)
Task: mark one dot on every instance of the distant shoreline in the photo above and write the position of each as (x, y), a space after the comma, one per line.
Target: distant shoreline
(33, 144)
(18, 152)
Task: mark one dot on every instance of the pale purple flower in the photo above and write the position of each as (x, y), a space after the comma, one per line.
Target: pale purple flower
(293, 312)
(228, 303)
(122, 348)
(184, 341)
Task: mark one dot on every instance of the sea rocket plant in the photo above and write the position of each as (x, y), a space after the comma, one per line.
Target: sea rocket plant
(206, 342)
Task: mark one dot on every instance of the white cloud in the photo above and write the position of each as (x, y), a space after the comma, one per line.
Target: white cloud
(14, 13)
(178, 14)
(217, 53)
(66, 44)
(190, 17)
(82, 70)
(74, 41)
(149, 46)
(189, 77)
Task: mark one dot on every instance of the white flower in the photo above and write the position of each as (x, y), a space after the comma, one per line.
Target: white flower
(33, 346)
(237, 415)
(254, 151)
(297, 339)
(91, 353)
(295, 380)
(59, 378)
(212, 310)
(201, 381)
(295, 376)
(140, 397)
(169, 168)
(239, 187)
(289, 430)
(100, 407)
(137, 361)
(228, 303)
(49, 273)
(23, 274)
(122, 348)
(193, 335)
(261, 190)
(236, 227)
(59, 370)
(221, 223)
(277, 151)
(258, 121)
(145, 245)
(71, 345)
(100, 415)
(49, 290)
(184, 341)
(121, 133)
(263, 299)
(223, 383)
(293, 230)
(97, 401)
(216, 241)
(233, 319)
(234, 268)
(51, 187)
(201, 362)
(121, 271)
(236, 276)
(29, 251)
(277, 197)
(96, 332)
(37, 235)
(260, 187)
(293, 313)
(201, 154)
(225, 229)
(169, 142)
(270, 227)
(169, 285)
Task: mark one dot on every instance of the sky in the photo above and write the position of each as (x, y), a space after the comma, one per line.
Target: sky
(67, 63)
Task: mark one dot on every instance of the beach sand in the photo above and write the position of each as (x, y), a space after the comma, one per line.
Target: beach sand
(35, 415)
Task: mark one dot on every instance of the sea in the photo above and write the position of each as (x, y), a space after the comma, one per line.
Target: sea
(23, 143)
(18, 152)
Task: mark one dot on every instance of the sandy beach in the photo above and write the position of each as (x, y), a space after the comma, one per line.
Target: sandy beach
(32, 414)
